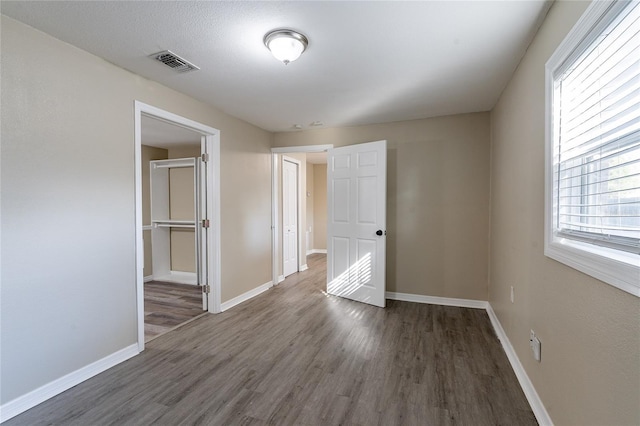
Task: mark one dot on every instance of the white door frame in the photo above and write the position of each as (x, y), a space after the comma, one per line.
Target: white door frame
(275, 200)
(300, 266)
(211, 146)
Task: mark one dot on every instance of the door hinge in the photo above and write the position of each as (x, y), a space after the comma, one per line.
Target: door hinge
(205, 157)
(206, 288)
(205, 223)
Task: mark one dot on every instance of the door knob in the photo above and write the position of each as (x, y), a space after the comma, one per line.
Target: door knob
(379, 232)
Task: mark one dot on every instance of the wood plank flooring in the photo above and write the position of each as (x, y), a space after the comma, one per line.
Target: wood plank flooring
(168, 305)
(296, 356)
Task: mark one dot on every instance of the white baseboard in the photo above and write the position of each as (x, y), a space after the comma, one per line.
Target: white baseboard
(178, 277)
(527, 387)
(433, 300)
(304, 267)
(37, 396)
(148, 278)
(245, 296)
(313, 251)
(280, 278)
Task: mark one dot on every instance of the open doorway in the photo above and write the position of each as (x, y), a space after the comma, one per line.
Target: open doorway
(177, 221)
(356, 219)
(291, 215)
(294, 204)
(316, 218)
(171, 200)
(316, 199)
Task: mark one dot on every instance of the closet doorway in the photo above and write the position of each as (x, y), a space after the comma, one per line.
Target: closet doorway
(290, 215)
(299, 207)
(177, 221)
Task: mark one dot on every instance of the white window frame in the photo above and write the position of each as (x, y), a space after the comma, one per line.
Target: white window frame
(615, 267)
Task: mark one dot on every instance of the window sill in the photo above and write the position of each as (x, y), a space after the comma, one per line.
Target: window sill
(619, 269)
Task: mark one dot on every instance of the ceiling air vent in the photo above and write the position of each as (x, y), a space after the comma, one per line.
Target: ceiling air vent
(174, 61)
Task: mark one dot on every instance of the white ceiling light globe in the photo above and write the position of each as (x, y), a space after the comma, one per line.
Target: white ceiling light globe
(286, 45)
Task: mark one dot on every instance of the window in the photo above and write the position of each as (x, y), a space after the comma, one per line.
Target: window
(593, 146)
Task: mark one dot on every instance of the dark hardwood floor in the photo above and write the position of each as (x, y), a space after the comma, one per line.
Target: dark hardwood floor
(168, 305)
(296, 356)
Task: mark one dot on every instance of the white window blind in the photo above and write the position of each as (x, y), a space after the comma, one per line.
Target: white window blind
(596, 135)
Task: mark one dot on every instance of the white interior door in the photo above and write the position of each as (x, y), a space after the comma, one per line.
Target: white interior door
(289, 217)
(356, 222)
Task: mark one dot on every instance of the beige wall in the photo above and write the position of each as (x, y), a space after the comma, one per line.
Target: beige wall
(437, 200)
(320, 206)
(183, 250)
(590, 331)
(68, 134)
(188, 150)
(181, 194)
(149, 153)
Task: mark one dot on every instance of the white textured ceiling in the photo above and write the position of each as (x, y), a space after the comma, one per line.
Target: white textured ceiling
(165, 135)
(367, 61)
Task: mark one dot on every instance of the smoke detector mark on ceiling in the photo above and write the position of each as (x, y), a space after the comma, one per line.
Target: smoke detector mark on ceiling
(174, 61)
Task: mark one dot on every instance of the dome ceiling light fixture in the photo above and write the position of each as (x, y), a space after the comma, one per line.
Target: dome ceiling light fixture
(286, 45)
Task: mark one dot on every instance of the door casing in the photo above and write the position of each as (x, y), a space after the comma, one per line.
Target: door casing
(210, 146)
(276, 232)
(298, 212)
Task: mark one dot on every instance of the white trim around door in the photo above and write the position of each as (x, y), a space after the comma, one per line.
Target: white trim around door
(211, 147)
(276, 233)
(288, 268)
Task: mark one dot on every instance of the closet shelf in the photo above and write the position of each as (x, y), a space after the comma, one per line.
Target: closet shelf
(173, 224)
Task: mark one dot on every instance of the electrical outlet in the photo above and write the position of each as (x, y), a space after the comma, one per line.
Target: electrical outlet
(536, 346)
(511, 294)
